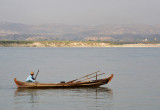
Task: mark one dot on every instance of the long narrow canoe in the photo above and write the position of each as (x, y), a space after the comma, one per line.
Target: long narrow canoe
(92, 83)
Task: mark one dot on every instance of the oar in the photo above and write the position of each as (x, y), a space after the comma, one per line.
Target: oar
(36, 74)
(83, 77)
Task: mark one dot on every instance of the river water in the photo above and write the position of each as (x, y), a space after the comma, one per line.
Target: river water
(135, 85)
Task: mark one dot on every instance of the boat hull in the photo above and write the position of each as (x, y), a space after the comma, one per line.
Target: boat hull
(92, 83)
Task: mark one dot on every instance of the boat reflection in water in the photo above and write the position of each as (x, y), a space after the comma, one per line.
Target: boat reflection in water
(81, 98)
(35, 92)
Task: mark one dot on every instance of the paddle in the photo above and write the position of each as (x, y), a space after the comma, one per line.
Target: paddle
(36, 74)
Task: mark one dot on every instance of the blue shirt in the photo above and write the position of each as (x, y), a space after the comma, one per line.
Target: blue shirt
(30, 79)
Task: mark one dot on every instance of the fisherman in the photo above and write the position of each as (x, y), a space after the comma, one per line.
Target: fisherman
(30, 78)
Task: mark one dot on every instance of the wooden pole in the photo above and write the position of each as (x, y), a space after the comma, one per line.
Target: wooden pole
(83, 77)
(96, 76)
(93, 76)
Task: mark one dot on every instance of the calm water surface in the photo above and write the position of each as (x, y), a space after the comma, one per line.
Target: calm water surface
(135, 86)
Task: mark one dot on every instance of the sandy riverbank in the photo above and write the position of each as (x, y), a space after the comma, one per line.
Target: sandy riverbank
(70, 44)
(137, 45)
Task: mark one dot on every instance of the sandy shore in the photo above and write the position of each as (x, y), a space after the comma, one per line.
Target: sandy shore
(74, 44)
(123, 45)
(137, 45)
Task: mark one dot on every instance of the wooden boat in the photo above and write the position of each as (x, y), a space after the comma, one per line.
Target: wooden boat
(70, 84)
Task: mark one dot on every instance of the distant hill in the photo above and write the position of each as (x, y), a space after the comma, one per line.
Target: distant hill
(111, 33)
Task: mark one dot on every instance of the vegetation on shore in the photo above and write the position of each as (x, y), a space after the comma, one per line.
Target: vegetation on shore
(76, 44)
(62, 32)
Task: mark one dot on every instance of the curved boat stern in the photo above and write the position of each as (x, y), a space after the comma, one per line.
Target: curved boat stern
(110, 78)
(16, 82)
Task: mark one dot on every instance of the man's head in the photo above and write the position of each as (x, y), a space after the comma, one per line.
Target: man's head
(32, 73)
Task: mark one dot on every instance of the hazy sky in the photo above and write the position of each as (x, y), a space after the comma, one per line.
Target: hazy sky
(80, 12)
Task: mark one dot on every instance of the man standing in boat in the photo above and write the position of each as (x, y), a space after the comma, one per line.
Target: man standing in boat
(30, 78)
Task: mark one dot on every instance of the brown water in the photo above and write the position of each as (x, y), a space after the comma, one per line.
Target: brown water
(135, 86)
